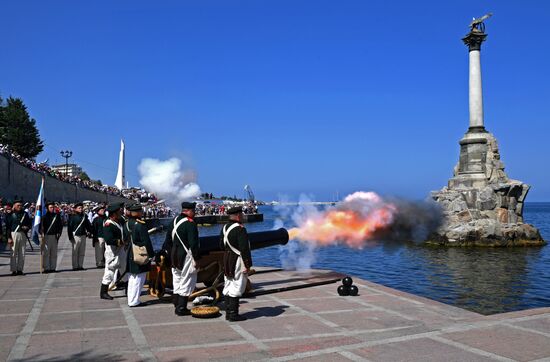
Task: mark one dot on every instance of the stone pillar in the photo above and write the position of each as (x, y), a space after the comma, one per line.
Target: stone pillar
(473, 40)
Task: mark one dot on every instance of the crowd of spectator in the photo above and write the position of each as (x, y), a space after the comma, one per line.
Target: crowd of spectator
(209, 208)
(136, 194)
(45, 169)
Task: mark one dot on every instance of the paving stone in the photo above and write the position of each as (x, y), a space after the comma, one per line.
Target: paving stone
(6, 343)
(304, 324)
(79, 320)
(361, 320)
(12, 323)
(329, 357)
(23, 306)
(302, 345)
(422, 349)
(189, 335)
(109, 340)
(505, 341)
(238, 352)
(284, 326)
(540, 324)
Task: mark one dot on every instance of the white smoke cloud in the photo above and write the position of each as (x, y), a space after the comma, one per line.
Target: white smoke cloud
(296, 255)
(167, 180)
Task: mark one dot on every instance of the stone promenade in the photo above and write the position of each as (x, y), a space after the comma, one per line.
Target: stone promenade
(59, 317)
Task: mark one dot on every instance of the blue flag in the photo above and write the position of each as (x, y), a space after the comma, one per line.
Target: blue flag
(38, 215)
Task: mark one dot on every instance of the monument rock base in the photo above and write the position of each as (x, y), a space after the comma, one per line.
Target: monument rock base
(482, 206)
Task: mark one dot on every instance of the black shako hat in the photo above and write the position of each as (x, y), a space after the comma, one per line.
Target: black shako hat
(188, 205)
(78, 204)
(50, 203)
(115, 207)
(17, 201)
(234, 210)
(134, 207)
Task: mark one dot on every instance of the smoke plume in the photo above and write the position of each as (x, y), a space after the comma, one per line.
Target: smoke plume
(167, 180)
(361, 219)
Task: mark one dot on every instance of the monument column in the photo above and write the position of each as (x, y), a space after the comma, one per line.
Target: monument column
(473, 40)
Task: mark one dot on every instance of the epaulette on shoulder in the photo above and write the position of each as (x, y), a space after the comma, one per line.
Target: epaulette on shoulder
(141, 221)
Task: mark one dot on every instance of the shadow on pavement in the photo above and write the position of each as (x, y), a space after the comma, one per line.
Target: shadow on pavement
(266, 312)
(81, 356)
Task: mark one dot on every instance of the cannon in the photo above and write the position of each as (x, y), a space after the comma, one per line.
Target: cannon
(210, 264)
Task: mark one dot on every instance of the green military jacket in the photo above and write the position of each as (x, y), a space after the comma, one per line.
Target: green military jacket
(238, 238)
(112, 234)
(140, 237)
(97, 226)
(17, 221)
(77, 226)
(51, 224)
(189, 234)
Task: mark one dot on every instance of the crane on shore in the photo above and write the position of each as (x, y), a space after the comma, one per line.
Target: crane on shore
(249, 193)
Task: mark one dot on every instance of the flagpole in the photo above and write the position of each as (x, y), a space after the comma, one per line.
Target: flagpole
(38, 214)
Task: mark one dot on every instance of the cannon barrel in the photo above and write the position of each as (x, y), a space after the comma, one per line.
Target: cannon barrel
(258, 240)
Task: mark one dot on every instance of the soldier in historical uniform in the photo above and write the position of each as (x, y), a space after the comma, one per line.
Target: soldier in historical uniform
(237, 262)
(97, 236)
(50, 228)
(182, 244)
(78, 228)
(18, 223)
(115, 248)
(138, 265)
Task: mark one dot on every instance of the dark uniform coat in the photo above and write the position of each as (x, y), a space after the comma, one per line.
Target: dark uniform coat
(112, 234)
(51, 224)
(97, 227)
(139, 237)
(238, 238)
(74, 228)
(13, 220)
(189, 234)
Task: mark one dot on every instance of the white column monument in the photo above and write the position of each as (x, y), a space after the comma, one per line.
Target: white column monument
(482, 206)
(473, 40)
(121, 174)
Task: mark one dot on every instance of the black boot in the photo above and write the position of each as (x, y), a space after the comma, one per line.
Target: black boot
(227, 303)
(234, 315)
(104, 292)
(181, 308)
(175, 300)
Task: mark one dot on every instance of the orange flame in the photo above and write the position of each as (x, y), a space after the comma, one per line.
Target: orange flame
(351, 227)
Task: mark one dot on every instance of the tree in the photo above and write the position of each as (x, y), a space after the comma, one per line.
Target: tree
(84, 176)
(17, 130)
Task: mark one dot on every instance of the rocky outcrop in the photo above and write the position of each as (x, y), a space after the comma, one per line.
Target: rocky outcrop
(482, 206)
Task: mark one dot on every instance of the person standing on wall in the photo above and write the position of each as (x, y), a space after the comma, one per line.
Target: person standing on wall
(78, 228)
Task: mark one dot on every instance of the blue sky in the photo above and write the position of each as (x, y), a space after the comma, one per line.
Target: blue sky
(287, 96)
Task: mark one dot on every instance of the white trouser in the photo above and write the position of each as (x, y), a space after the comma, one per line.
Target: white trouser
(184, 281)
(115, 259)
(79, 249)
(49, 252)
(135, 284)
(100, 253)
(235, 287)
(17, 258)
